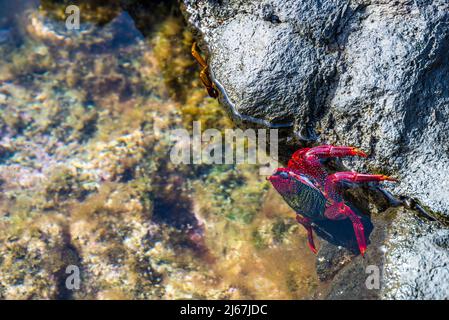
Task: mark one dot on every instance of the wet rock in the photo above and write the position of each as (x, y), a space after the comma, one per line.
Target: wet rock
(270, 63)
(33, 261)
(5, 35)
(350, 283)
(417, 259)
(330, 260)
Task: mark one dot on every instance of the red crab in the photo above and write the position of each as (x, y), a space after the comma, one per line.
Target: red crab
(316, 195)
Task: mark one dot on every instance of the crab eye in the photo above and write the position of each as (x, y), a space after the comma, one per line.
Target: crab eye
(284, 175)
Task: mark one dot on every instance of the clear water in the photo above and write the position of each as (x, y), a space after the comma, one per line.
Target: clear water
(85, 174)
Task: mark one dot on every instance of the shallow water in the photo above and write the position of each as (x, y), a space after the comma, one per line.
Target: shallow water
(85, 174)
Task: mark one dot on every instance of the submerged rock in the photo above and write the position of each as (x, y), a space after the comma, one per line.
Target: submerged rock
(86, 179)
(372, 74)
(33, 261)
(5, 35)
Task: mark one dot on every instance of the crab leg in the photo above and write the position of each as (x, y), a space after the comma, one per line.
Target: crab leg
(339, 210)
(307, 160)
(210, 86)
(328, 151)
(197, 56)
(310, 156)
(356, 177)
(204, 73)
(307, 224)
(332, 181)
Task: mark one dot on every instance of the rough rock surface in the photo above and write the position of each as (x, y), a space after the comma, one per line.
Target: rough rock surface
(417, 260)
(368, 73)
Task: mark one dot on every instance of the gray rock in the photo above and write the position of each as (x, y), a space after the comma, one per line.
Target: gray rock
(368, 73)
(272, 64)
(417, 260)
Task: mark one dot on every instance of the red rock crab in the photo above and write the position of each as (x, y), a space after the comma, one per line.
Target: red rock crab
(316, 195)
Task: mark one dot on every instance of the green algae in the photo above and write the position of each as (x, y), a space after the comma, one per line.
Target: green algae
(258, 240)
(279, 229)
(99, 12)
(234, 194)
